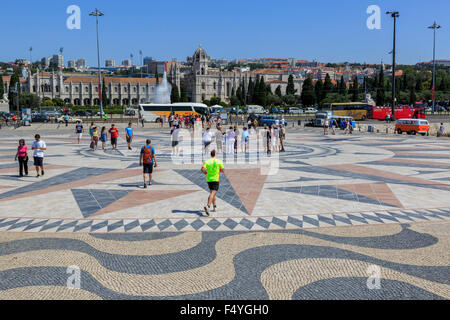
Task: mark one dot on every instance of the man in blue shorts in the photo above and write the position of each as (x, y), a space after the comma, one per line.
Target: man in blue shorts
(148, 160)
(129, 134)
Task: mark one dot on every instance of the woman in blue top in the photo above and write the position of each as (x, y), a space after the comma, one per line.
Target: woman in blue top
(104, 138)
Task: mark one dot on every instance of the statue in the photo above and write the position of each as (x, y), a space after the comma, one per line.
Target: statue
(5, 98)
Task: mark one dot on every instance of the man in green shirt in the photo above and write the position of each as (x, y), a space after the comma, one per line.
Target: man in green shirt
(212, 169)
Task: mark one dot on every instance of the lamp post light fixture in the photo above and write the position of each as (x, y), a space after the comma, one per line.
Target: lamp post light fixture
(434, 27)
(97, 14)
(395, 15)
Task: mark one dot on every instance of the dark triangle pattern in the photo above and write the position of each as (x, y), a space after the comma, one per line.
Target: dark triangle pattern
(226, 191)
(333, 193)
(90, 201)
(68, 177)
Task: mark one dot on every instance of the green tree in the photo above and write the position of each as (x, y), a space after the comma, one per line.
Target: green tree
(243, 93)
(318, 91)
(273, 100)
(13, 103)
(184, 95)
(2, 87)
(290, 89)
(327, 86)
(289, 99)
(235, 101)
(239, 95)
(307, 95)
(355, 90)
(261, 94)
(48, 103)
(381, 96)
(251, 91)
(215, 101)
(29, 100)
(412, 94)
(278, 91)
(175, 94)
(342, 87)
(58, 102)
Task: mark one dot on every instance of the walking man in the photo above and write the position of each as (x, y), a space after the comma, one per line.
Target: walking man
(79, 131)
(114, 133)
(148, 160)
(39, 147)
(129, 134)
(212, 169)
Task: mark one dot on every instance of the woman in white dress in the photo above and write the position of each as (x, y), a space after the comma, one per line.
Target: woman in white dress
(231, 138)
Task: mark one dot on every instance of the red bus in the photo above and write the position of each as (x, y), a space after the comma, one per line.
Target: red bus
(401, 112)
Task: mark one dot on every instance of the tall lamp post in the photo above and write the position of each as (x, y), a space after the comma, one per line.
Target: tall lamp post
(434, 27)
(142, 62)
(395, 15)
(97, 14)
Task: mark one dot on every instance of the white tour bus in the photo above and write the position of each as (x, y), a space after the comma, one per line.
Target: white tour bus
(153, 112)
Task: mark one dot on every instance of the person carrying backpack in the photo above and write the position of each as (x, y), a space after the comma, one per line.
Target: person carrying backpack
(148, 161)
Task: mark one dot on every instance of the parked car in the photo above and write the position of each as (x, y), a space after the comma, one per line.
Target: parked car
(270, 121)
(255, 110)
(71, 119)
(310, 110)
(276, 111)
(294, 111)
(52, 113)
(40, 118)
(80, 113)
(130, 112)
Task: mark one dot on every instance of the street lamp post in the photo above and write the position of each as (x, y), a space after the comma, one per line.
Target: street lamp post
(142, 62)
(434, 27)
(395, 15)
(97, 14)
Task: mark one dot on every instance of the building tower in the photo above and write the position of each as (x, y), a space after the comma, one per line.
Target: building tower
(200, 62)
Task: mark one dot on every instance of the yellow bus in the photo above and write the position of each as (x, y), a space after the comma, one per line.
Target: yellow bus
(152, 112)
(356, 110)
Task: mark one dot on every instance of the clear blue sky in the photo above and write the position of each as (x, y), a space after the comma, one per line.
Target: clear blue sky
(325, 30)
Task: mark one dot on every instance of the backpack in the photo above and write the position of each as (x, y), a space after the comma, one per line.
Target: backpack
(147, 154)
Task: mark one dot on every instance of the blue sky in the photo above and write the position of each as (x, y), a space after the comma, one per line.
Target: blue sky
(324, 30)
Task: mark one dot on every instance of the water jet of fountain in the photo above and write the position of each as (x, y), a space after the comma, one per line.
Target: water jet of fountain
(162, 92)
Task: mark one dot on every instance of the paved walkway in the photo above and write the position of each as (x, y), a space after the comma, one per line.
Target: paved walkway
(336, 205)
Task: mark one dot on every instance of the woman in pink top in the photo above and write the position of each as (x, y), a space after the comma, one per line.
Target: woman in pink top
(22, 156)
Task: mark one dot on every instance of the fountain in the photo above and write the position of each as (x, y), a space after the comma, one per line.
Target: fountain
(162, 92)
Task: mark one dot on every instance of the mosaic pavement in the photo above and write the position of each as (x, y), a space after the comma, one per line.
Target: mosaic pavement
(321, 181)
(336, 206)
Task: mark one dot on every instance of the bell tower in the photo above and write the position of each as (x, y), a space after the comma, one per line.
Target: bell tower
(200, 61)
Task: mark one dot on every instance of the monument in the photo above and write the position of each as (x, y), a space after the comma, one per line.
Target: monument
(4, 103)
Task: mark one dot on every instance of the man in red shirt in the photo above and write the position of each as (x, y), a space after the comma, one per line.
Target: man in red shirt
(114, 133)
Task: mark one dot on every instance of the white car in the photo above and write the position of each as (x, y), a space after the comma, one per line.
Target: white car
(294, 111)
(255, 110)
(310, 110)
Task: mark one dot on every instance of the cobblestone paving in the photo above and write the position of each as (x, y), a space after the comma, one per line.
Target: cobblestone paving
(336, 206)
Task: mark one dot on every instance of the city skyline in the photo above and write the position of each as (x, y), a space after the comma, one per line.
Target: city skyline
(339, 35)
